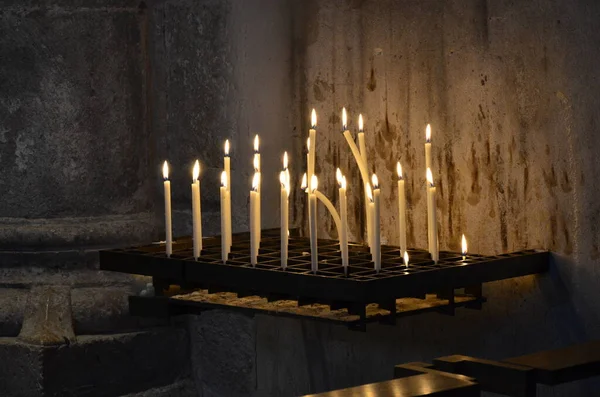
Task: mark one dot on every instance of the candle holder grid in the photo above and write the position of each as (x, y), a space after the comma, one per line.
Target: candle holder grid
(356, 297)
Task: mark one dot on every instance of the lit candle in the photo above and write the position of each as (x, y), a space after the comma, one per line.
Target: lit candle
(401, 209)
(428, 146)
(253, 214)
(363, 152)
(256, 162)
(406, 258)
(433, 246)
(168, 223)
(196, 212)
(312, 139)
(312, 202)
(284, 205)
(224, 239)
(362, 166)
(227, 168)
(343, 219)
(464, 247)
(376, 215)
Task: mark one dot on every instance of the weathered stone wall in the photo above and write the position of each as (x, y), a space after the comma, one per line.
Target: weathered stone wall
(511, 91)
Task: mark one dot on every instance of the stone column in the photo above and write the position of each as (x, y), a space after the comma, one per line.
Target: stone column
(75, 155)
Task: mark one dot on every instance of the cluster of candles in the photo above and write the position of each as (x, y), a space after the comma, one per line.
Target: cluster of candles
(310, 184)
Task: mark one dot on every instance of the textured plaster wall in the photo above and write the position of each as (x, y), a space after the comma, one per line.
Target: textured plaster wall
(510, 89)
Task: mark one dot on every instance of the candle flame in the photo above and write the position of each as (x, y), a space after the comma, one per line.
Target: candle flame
(369, 192)
(375, 181)
(282, 178)
(227, 147)
(464, 245)
(255, 162)
(256, 143)
(428, 133)
(285, 160)
(343, 184)
(165, 170)
(429, 177)
(196, 171)
(399, 170)
(406, 258)
(304, 183)
(338, 175)
(224, 179)
(313, 119)
(255, 181)
(314, 183)
(360, 123)
(344, 120)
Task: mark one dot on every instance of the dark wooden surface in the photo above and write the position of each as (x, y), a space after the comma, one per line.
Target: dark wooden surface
(427, 384)
(563, 365)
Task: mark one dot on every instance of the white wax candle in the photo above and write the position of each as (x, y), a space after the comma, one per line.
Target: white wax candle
(283, 228)
(428, 146)
(253, 239)
(433, 245)
(362, 145)
(223, 196)
(376, 224)
(168, 222)
(343, 219)
(312, 144)
(227, 168)
(312, 202)
(401, 210)
(258, 190)
(429, 213)
(196, 212)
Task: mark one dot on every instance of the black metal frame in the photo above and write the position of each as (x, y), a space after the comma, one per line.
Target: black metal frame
(361, 286)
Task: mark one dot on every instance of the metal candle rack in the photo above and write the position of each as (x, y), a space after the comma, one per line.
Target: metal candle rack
(360, 296)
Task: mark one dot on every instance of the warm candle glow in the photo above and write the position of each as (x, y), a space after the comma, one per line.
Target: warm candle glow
(282, 179)
(314, 183)
(375, 181)
(256, 143)
(344, 120)
(313, 119)
(360, 123)
(255, 162)
(304, 183)
(227, 147)
(224, 179)
(429, 177)
(285, 160)
(369, 192)
(406, 258)
(399, 170)
(255, 181)
(338, 176)
(196, 171)
(464, 245)
(428, 133)
(166, 170)
(308, 144)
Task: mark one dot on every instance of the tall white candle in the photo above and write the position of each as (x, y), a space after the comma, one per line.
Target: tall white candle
(359, 161)
(227, 168)
(168, 222)
(312, 202)
(401, 210)
(224, 239)
(253, 239)
(428, 146)
(434, 249)
(362, 145)
(343, 219)
(312, 144)
(376, 223)
(196, 212)
(284, 210)
(256, 162)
